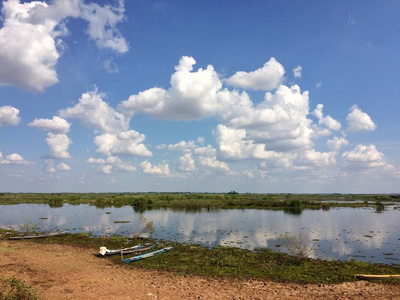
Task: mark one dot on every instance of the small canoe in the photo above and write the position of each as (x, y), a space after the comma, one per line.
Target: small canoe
(146, 255)
(39, 236)
(365, 276)
(107, 252)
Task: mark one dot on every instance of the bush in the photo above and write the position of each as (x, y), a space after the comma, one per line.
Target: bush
(379, 206)
(146, 227)
(298, 246)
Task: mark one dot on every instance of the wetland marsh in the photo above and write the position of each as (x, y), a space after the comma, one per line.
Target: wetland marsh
(340, 227)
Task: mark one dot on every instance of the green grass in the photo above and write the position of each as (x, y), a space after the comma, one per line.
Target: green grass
(192, 259)
(197, 201)
(13, 289)
(263, 264)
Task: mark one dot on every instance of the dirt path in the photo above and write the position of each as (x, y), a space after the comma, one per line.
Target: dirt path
(56, 272)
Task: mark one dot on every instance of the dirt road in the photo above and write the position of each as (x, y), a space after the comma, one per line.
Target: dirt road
(56, 272)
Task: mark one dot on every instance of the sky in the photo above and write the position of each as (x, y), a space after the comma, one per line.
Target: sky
(200, 96)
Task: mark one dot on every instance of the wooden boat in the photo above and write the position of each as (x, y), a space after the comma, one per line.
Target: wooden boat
(107, 252)
(146, 255)
(365, 276)
(39, 236)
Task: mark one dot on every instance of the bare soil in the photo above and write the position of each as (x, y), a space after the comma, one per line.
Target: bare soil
(58, 272)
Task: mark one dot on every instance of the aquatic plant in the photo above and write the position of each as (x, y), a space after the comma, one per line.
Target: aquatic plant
(299, 246)
(325, 206)
(27, 229)
(146, 228)
(379, 206)
(55, 201)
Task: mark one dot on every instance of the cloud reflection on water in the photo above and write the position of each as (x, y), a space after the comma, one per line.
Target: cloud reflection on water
(339, 233)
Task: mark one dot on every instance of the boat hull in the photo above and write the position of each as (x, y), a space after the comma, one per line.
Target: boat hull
(146, 255)
(106, 252)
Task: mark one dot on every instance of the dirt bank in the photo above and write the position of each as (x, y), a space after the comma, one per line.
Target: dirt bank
(57, 272)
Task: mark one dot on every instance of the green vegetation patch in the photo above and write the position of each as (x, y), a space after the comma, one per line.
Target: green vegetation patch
(222, 261)
(13, 289)
(263, 264)
(190, 259)
(197, 201)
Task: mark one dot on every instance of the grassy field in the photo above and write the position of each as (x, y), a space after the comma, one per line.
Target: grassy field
(193, 201)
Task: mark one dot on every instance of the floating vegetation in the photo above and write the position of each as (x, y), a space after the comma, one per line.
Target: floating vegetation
(117, 222)
(392, 258)
(395, 265)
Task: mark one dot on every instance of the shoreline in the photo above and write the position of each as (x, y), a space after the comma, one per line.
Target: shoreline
(58, 271)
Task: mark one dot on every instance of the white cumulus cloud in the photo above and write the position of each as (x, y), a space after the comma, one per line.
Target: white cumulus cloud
(211, 162)
(57, 139)
(233, 145)
(280, 121)
(28, 52)
(114, 137)
(182, 146)
(359, 120)
(327, 121)
(56, 125)
(9, 115)
(365, 157)
(266, 78)
(336, 143)
(14, 159)
(58, 144)
(32, 31)
(63, 167)
(125, 143)
(95, 112)
(112, 162)
(205, 151)
(315, 158)
(186, 163)
(160, 170)
(192, 95)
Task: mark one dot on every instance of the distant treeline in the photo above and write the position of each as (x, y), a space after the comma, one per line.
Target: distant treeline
(194, 201)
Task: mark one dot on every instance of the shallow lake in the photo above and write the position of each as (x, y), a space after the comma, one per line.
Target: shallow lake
(339, 233)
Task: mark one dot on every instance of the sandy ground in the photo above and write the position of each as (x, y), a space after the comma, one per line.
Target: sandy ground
(56, 272)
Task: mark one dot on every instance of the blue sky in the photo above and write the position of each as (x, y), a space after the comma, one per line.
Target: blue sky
(199, 96)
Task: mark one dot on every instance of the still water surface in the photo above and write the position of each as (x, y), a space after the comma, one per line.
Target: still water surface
(340, 233)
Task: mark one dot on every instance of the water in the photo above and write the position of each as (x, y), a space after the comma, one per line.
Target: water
(340, 233)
